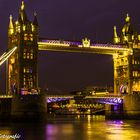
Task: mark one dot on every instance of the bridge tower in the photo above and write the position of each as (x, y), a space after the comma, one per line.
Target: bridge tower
(127, 66)
(22, 65)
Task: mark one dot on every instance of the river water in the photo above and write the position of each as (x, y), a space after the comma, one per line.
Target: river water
(88, 127)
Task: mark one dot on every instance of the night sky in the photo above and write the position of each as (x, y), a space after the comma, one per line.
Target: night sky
(71, 20)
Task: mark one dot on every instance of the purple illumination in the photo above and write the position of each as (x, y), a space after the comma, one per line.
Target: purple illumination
(120, 101)
(62, 42)
(79, 43)
(123, 88)
(50, 100)
(115, 107)
(31, 70)
(117, 123)
(113, 101)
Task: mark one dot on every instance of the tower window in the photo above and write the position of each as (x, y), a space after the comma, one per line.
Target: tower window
(25, 36)
(27, 70)
(31, 70)
(135, 73)
(24, 70)
(18, 29)
(24, 53)
(28, 55)
(28, 37)
(31, 54)
(133, 61)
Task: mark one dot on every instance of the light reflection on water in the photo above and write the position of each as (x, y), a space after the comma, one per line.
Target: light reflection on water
(118, 130)
(75, 128)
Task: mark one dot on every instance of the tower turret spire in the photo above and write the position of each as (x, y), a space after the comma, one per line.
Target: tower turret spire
(11, 27)
(22, 5)
(35, 22)
(22, 14)
(116, 39)
(127, 31)
(115, 32)
(127, 19)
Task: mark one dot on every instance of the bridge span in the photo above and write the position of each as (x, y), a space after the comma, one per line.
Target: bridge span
(82, 47)
(105, 99)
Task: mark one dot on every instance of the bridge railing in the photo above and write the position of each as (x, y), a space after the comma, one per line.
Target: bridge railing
(63, 42)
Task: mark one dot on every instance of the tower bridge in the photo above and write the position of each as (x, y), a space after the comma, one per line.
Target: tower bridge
(22, 72)
(23, 33)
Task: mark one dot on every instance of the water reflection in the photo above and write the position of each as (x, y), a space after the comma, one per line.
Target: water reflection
(86, 127)
(91, 127)
(122, 131)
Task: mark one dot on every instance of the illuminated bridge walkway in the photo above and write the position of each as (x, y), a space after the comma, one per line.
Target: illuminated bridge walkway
(69, 46)
(82, 47)
(106, 99)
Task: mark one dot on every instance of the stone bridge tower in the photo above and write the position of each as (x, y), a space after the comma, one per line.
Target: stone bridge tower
(127, 66)
(22, 65)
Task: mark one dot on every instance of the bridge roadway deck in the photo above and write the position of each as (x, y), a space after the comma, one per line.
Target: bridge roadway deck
(67, 46)
(105, 99)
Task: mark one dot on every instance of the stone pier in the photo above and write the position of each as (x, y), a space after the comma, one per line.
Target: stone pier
(130, 109)
(29, 107)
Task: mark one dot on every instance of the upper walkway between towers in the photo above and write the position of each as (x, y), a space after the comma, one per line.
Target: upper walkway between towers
(83, 47)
